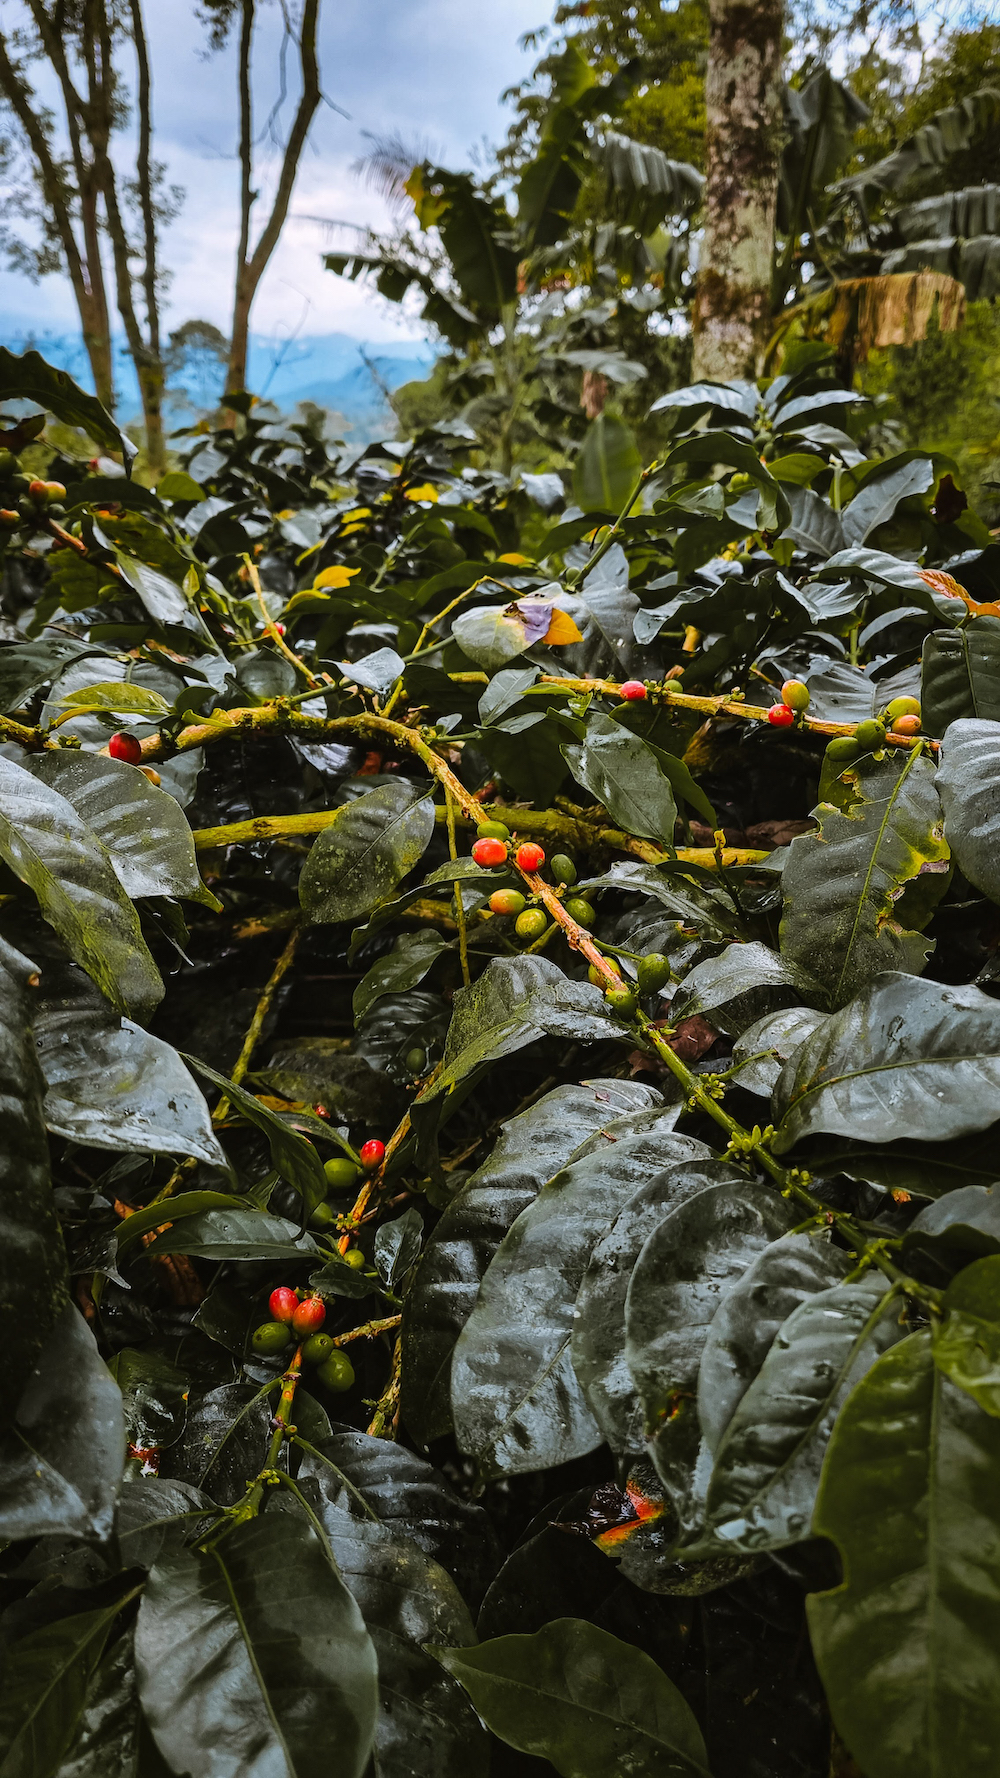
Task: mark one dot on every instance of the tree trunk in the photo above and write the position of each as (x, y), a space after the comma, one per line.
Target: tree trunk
(732, 311)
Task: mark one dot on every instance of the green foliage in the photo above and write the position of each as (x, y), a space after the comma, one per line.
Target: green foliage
(658, 1262)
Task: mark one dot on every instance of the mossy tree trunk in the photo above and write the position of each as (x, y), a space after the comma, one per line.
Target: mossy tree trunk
(732, 313)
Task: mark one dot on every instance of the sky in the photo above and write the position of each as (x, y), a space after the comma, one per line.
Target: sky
(431, 71)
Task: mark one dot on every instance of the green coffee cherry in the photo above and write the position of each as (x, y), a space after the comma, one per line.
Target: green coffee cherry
(355, 1259)
(563, 869)
(317, 1348)
(341, 1173)
(594, 975)
(581, 911)
(492, 830)
(842, 750)
(530, 925)
(337, 1374)
(623, 1001)
(8, 464)
(869, 735)
(653, 972)
(416, 1060)
(270, 1338)
(795, 694)
(324, 1216)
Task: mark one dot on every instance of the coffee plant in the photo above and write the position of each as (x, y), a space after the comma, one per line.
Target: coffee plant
(500, 1073)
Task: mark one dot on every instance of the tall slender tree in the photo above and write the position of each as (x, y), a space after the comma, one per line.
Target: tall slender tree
(252, 261)
(75, 191)
(743, 116)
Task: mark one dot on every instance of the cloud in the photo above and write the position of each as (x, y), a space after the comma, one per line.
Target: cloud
(431, 71)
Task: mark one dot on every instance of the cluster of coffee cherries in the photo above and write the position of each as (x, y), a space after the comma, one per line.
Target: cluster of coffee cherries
(493, 848)
(900, 717)
(652, 973)
(342, 1175)
(794, 702)
(298, 1318)
(35, 498)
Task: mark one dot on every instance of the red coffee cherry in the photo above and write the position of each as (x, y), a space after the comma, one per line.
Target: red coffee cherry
(529, 856)
(9, 519)
(780, 716)
(372, 1155)
(634, 691)
(906, 725)
(489, 852)
(279, 629)
(283, 1303)
(39, 492)
(125, 747)
(309, 1317)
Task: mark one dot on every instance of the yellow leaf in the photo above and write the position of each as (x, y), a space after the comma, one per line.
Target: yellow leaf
(516, 560)
(336, 577)
(562, 630)
(424, 492)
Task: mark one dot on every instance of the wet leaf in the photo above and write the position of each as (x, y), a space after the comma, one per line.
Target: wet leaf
(516, 1400)
(623, 773)
(907, 1058)
(44, 1688)
(254, 1658)
(768, 1460)
(841, 884)
(368, 850)
(967, 1341)
(968, 782)
(960, 675)
(580, 1698)
(531, 1149)
(144, 830)
(906, 1645)
(53, 852)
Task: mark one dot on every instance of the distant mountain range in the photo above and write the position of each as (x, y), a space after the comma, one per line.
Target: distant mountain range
(335, 370)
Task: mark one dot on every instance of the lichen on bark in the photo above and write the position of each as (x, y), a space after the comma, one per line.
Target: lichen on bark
(732, 312)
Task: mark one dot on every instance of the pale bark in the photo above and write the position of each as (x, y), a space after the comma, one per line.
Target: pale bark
(250, 267)
(732, 311)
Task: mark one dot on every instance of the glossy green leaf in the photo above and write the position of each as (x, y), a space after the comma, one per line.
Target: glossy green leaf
(120, 694)
(376, 1478)
(907, 1058)
(33, 1282)
(880, 495)
(253, 1660)
(968, 782)
(405, 966)
(744, 1326)
(294, 1157)
(598, 1339)
(236, 1234)
(109, 1083)
(531, 1149)
(623, 773)
(154, 1396)
(967, 1340)
(26, 666)
(588, 1703)
(736, 988)
(763, 1048)
(607, 466)
(687, 1265)
(960, 675)
(768, 1460)
(44, 1688)
(143, 828)
(225, 1440)
(842, 883)
(27, 377)
(371, 846)
(906, 1646)
(516, 1400)
(107, 1730)
(52, 851)
(515, 1001)
(425, 1726)
(61, 1454)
